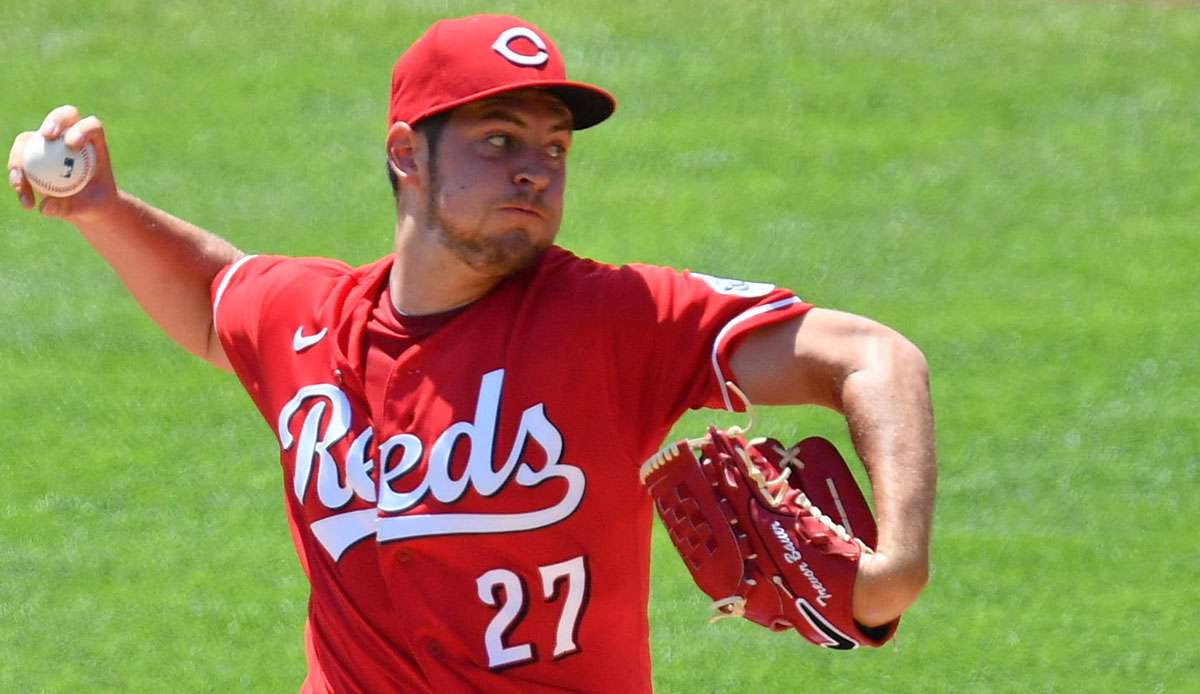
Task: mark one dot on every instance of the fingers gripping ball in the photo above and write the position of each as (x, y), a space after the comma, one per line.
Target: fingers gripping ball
(771, 534)
(56, 170)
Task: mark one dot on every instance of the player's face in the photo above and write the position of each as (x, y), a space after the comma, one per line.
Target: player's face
(496, 194)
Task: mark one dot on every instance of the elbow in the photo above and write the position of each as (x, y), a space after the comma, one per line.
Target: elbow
(880, 361)
(894, 357)
(910, 359)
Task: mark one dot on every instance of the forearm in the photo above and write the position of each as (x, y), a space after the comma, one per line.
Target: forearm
(166, 263)
(887, 407)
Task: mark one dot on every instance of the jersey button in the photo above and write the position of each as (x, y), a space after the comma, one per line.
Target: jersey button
(403, 556)
(434, 649)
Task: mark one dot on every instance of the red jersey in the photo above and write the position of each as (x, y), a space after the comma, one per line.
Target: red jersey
(462, 489)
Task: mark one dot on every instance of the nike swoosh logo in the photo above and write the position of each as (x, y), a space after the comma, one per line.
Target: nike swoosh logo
(301, 342)
(837, 640)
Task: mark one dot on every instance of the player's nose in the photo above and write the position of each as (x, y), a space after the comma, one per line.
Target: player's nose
(531, 173)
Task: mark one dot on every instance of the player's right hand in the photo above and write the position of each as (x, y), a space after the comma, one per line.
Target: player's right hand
(97, 196)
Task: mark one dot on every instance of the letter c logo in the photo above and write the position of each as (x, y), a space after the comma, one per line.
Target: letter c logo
(501, 46)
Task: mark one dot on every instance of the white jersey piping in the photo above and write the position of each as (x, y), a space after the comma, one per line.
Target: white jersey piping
(225, 283)
(741, 317)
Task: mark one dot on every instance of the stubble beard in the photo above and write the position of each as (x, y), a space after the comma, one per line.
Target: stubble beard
(497, 255)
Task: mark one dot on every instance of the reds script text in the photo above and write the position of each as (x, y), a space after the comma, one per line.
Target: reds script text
(400, 454)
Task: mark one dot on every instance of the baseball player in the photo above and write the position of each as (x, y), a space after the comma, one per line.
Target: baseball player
(461, 423)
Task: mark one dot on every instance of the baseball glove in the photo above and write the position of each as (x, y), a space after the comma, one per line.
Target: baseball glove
(753, 524)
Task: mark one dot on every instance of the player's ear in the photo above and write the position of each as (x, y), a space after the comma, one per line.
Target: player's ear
(402, 148)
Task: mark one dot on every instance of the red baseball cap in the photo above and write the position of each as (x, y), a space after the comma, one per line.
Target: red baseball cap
(457, 61)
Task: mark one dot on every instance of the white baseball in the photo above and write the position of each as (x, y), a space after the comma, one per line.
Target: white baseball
(56, 170)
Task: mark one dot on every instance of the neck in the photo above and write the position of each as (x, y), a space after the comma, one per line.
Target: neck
(427, 278)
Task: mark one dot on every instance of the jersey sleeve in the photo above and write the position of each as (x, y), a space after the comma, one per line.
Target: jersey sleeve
(252, 297)
(679, 337)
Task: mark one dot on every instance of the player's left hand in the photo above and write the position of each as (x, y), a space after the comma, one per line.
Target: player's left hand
(752, 522)
(887, 583)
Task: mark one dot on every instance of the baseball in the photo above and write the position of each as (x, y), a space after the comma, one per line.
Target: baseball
(56, 170)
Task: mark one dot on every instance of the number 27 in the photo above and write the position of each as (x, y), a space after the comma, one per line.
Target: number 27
(513, 606)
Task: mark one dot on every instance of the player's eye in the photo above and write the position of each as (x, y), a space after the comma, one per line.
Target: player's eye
(556, 151)
(498, 141)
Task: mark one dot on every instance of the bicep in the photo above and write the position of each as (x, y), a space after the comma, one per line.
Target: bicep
(806, 360)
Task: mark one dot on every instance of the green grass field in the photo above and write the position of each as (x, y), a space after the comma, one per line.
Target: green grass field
(1013, 185)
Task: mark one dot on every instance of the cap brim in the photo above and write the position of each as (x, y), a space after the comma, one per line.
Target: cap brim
(589, 104)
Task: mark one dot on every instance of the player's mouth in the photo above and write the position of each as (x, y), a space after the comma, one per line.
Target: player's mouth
(524, 210)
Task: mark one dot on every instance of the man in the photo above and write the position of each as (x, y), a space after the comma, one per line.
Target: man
(461, 422)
